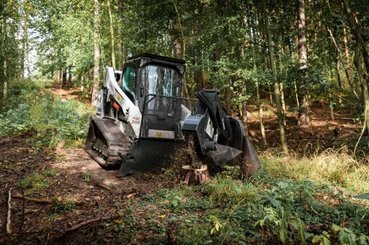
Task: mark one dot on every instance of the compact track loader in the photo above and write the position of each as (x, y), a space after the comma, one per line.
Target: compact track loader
(142, 121)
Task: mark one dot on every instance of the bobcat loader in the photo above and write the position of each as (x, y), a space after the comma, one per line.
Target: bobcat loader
(142, 121)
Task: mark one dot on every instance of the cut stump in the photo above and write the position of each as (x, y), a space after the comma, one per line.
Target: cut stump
(195, 176)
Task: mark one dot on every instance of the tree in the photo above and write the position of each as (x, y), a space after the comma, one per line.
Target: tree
(363, 77)
(9, 53)
(304, 118)
(111, 34)
(277, 92)
(96, 75)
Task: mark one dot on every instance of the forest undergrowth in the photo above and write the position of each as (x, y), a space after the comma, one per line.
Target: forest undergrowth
(298, 199)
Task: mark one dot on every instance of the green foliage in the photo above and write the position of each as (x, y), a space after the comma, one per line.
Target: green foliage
(322, 239)
(227, 192)
(192, 230)
(53, 119)
(336, 166)
(216, 225)
(56, 120)
(59, 207)
(51, 173)
(10, 54)
(267, 209)
(35, 182)
(275, 219)
(68, 33)
(347, 236)
(86, 177)
(15, 120)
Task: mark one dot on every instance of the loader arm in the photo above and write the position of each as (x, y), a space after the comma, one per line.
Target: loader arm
(114, 94)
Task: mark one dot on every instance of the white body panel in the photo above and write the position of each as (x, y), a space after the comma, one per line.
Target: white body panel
(130, 110)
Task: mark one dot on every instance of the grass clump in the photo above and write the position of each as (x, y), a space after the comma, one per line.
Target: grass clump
(337, 167)
(35, 182)
(224, 191)
(60, 207)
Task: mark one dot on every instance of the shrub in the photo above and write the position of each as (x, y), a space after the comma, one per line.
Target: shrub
(53, 119)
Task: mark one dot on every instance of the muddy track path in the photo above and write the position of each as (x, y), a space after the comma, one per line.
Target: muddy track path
(53, 193)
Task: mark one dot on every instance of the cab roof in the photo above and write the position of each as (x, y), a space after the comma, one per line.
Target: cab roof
(156, 57)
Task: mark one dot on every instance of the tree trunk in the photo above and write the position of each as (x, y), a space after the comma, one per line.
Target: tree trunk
(69, 83)
(296, 94)
(277, 92)
(244, 106)
(3, 64)
(111, 35)
(179, 44)
(356, 31)
(96, 74)
(59, 77)
(121, 55)
(257, 85)
(362, 47)
(365, 94)
(64, 79)
(363, 80)
(5, 83)
(24, 39)
(347, 72)
(283, 103)
(347, 51)
(339, 80)
(304, 117)
(261, 115)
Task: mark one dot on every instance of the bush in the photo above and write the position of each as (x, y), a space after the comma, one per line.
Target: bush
(53, 119)
(16, 120)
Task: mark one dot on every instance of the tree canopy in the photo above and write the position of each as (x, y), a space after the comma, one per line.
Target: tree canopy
(243, 48)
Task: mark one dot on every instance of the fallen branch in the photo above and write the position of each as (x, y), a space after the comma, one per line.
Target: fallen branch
(104, 187)
(35, 200)
(87, 222)
(82, 224)
(8, 220)
(42, 201)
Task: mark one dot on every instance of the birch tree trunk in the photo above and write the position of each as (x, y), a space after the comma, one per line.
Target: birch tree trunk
(111, 35)
(96, 73)
(304, 118)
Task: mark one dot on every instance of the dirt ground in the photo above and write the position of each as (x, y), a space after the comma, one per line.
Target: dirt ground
(75, 181)
(322, 133)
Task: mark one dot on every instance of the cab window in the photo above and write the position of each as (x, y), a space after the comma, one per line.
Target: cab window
(129, 82)
(160, 80)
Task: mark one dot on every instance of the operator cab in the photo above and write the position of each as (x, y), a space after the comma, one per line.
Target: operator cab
(147, 75)
(153, 83)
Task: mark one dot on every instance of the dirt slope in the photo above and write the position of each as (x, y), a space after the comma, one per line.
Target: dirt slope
(66, 190)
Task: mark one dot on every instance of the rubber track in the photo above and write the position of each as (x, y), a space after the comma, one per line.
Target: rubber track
(118, 144)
